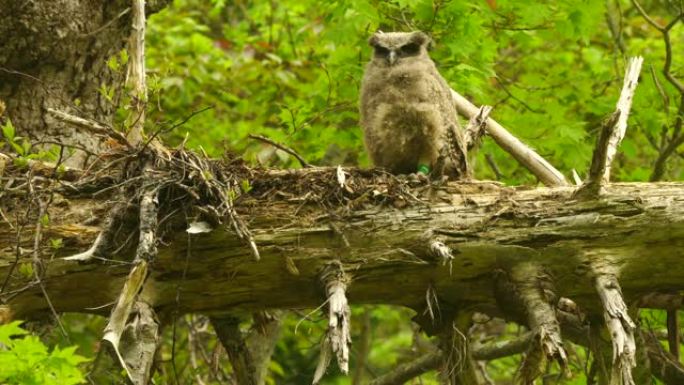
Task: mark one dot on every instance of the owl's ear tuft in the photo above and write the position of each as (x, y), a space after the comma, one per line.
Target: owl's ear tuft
(373, 40)
(421, 38)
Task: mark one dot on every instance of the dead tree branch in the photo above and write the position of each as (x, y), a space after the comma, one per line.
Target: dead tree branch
(432, 361)
(338, 337)
(405, 372)
(663, 365)
(612, 131)
(593, 185)
(244, 366)
(624, 105)
(670, 143)
(535, 294)
(619, 324)
(542, 169)
(136, 73)
(288, 150)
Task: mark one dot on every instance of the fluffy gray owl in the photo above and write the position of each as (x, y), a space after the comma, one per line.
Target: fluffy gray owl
(407, 114)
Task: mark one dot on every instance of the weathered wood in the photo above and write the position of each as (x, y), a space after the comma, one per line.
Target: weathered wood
(624, 105)
(135, 76)
(385, 250)
(526, 156)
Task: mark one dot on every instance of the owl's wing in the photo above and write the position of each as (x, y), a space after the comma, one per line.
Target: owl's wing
(453, 155)
(457, 155)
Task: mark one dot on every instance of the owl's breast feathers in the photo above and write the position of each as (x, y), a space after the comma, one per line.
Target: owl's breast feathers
(408, 117)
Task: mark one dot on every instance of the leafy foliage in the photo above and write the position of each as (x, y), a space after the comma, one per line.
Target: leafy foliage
(291, 70)
(23, 147)
(25, 360)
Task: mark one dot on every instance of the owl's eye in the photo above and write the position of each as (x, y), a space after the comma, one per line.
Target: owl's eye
(410, 49)
(381, 52)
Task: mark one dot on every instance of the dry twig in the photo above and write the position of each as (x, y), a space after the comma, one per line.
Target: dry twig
(288, 150)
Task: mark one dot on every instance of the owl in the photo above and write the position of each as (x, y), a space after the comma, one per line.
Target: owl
(409, 120)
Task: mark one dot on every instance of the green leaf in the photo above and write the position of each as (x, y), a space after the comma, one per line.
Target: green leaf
(25, 146)
(123, 56)
(20, 162)
(113, 63)
(10, 330)
(26, 269)
(56, 243)
(18, 148)
(24, 359)
(8, 130)
(246, 187)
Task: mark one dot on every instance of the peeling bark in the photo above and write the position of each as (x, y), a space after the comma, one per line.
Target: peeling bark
(620, 326)
(487, 227)
(534, 288)
(139, 342)
(338, 337)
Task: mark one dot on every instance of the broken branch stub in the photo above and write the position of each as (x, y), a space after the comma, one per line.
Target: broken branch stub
(146, 252)
(338, 337)
(612, 131)
(477, 127)
(624, 105)
(532, 285)
(440, 250)
(593, 186)
(619, 324)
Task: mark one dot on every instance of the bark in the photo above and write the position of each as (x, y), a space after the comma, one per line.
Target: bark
(386, 250)
(54, 54)
(249, 353)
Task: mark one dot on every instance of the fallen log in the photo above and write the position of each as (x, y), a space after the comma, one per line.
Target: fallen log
(382, 238)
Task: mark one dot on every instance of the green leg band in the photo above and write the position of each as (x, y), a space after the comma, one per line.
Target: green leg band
(423, 169)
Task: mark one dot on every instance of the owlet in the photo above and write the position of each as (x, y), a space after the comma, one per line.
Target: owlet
(408, 117)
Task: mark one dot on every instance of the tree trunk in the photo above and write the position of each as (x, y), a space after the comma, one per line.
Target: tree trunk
(54, 54)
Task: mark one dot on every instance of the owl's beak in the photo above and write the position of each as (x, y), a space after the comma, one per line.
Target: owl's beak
(392, 58)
